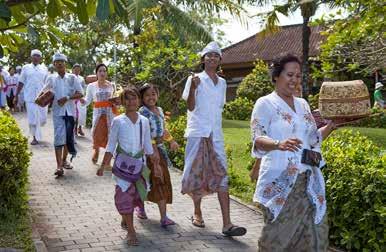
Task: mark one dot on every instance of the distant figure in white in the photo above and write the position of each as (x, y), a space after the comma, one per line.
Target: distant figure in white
(81, 111)
(32, 80)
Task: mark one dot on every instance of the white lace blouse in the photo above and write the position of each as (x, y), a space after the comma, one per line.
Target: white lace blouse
(273, 118)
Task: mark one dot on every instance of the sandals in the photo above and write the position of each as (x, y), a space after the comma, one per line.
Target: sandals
(140, 213)
(235, 231)
(197, 222)
(167, 222)
(59, 172)
(132, 240)
(34, 142)
(67, 165)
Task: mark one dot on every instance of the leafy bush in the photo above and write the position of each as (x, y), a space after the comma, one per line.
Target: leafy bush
(14, 161)
(376, 120)
(313, 100)
(238, 109)
(355, 184)
(257, 83)
(89, 116)
(177, 130)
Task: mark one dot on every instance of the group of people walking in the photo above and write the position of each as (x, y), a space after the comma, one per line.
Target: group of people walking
(290, 187)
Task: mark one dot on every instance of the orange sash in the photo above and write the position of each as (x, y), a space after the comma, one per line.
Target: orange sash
(106, 104)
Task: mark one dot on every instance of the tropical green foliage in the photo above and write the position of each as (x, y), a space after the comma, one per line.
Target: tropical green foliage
(14, 161)
(313, 101)
(177, 129)
(22, 16)
(355, 189)
(238, 109)
(356, 44)
(257, 83)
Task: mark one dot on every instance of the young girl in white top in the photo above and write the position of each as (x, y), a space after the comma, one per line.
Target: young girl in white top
(130, 139)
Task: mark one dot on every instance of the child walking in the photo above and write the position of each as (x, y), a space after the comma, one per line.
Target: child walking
(161, 187)
(130, 139)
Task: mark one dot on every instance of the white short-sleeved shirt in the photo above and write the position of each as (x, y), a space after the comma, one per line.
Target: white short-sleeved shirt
(126, 133)
(62, 87)
(206, 118)
(33, 77)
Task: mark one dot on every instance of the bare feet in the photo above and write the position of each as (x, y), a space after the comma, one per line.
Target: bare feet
(132, 239)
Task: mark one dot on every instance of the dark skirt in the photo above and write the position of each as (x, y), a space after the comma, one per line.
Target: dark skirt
(161, 187)
(294, 229)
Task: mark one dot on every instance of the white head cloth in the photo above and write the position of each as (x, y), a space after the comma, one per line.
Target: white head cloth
(36, 52)
(59, 56)
(378, 85)
(211, 47)
(18, 68)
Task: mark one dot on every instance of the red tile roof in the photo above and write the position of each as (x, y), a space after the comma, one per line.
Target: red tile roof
(287, 40)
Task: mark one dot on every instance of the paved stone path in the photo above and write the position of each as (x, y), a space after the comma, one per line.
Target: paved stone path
(77, 212)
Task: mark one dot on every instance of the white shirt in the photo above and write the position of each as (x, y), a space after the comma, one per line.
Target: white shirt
(12, 82)
(126, 133)
(82, 82)
(33, 77)
(62, 87)
(206, 118)
(272, 118)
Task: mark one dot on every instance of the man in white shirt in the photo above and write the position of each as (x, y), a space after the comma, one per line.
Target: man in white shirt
(205, 170)
(31, 81)
(66, 89)
(81, 111)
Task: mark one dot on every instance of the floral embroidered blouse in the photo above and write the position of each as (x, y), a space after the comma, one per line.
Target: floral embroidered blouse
(273, 118)
(156, 122)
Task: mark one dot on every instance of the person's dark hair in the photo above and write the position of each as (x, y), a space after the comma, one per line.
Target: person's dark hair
(11, 67)
(130, 90)
(278, 64)
(146, 87)
(99, 66)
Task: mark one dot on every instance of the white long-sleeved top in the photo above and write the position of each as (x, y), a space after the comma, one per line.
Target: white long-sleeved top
(272, 118)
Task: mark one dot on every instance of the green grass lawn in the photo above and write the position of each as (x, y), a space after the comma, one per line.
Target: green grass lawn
(15, 232)
(378, 136)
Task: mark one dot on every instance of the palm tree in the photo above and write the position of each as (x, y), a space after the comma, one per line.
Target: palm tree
(17, 14)
(308, 9)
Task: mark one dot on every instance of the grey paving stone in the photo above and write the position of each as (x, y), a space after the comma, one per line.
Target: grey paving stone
(77, 211)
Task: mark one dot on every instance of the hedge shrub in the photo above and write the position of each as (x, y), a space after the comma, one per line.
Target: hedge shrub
(313, 100)
(177, 130)
(239, 109)
(355, 183)
(377, 120)
(14, 162)
(257, 83)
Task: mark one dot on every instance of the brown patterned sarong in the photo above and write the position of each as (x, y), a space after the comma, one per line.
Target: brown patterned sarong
(206, 173)
(161, 186)
(294, 229)
(101, 132)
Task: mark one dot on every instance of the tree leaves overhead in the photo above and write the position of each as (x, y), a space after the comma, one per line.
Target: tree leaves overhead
(103, 9)
(82, 11)
(54, 8)
(5, 12)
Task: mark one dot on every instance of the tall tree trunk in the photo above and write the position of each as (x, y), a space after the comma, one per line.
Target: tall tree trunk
(306, 32)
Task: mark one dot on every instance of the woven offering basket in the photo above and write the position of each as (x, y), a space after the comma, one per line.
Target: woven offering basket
(344, 100)
(91, 78)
